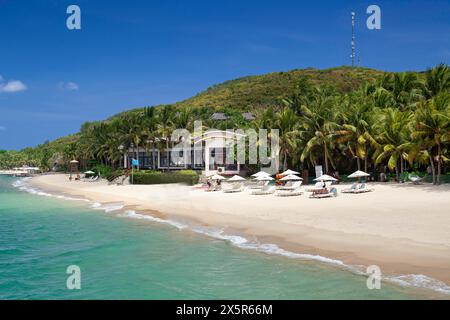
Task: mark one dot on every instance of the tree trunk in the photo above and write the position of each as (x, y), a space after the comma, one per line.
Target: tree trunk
(325, 157)
(365, 163)
(137, 156)
(396, 172)
(432, 169)
(358, 162)
(285, 161)
(168, 154)
(401, 166)
(153, 156)
(438, 178)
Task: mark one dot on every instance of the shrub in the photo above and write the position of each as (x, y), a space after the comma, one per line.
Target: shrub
(156, 177)
(114, 175)
(102, 169)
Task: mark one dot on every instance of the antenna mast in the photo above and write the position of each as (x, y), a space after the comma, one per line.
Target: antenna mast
(353, 39)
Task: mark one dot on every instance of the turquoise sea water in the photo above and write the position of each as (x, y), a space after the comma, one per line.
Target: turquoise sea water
(125, 258)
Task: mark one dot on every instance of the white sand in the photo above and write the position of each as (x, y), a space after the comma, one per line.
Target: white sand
(403, 228)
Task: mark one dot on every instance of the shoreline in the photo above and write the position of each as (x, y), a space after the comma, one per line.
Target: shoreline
(253, 218)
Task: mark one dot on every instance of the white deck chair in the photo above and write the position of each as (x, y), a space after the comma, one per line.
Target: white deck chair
(331, 193)
(264, 191)
(317, 186)
(290, 193)
(352, 189)
(293, 186)
(236, 187)
(363, 188)
(415, 179)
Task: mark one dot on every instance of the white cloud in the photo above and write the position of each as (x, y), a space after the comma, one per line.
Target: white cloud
(70, 86)
(11, 85)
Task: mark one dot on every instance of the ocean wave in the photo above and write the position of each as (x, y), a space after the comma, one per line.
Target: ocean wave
(410, 280)
(420, 281)
(134, 215)
(108, 207)
(23, 185)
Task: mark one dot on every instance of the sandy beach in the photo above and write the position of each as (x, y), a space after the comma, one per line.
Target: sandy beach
(404, 229)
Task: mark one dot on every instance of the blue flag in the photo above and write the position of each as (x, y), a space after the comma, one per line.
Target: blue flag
(135, 162)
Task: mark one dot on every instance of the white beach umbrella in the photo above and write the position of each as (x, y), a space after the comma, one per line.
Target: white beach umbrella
(217, 177)
(236, 178)
(264, 178)
(261, 174)
(359, 174)
(89, 172)
(291, 177)
(325, 177)
(289, 172)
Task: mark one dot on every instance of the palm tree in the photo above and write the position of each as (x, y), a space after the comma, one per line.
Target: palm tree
(357, 117)
(405, 88)
(431, 131)
(437, 81)
(318, 125)
(165, 127)
(150, 131)
(286, 122)
(393, 139)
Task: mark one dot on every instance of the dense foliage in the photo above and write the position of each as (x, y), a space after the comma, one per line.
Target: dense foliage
(342, 118)
(157, 177)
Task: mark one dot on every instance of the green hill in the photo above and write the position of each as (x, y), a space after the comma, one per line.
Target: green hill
(268, 89)
(250, 93)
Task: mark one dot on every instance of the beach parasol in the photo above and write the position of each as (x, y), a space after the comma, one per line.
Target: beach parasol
(236, 178)
(89, 172)
(289, 172)
(261, 174)
(325, 177)
(359, 174)
(291, 177)
(264, 178)
(217, 177)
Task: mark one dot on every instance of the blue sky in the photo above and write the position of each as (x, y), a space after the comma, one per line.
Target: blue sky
(136, 53)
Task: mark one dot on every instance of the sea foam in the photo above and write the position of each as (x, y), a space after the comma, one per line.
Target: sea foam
(409, 280)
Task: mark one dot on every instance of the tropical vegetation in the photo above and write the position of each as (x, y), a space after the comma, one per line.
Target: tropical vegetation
(341, 118)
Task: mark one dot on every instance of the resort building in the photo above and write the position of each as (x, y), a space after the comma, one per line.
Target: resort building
(212, 152)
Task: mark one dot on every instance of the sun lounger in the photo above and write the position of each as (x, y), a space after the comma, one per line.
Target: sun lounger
(352, 189)
(289, 193)
(415, 179)
(264, 191)
(292, 186)
(287, 186)
(259, 185)
(213, 188)
(330, 193)
(317, 186)
(363, 188)
(237, 187)
(94, 179)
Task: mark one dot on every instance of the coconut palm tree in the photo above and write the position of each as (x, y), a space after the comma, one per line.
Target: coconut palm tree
(165, 127)
(437, 81)
(318, 125)
(356, 127)
(431, 131)
(405, 87)
(393, 139)
(286, 122)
